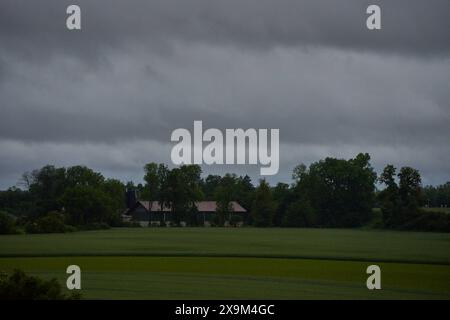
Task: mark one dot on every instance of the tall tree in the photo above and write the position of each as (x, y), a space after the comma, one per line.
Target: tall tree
(47, 186)
(225, 193)
(115, 190)
(400, 203)
(389, 197)
(410, 190)
(209, 186)
(83, 176)
(180, 190)
(264, 207)
(282, 194)
(341, 192)
(87, 204)
(245, 190)
(154, 177)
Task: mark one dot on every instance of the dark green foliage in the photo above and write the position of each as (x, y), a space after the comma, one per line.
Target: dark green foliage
(229, 188)
(389, 198)
(245, 192)
(53, 222)
(400, 203)
(300, 214)
(7, 224)
(210, 185)
(438, 196)
(19, 286)
(428, 221)
(282, 194)
(235, 219)
(154, 177)
(46, 186)
(16, 201)
(341, 192)
(87, 205)
(213, 219)
(83, 195)
(264, 207)
(224, 195)
(180, 189)
(83, 176)
(115, 190)
(410, 190)
(329, 193)
(192, 217)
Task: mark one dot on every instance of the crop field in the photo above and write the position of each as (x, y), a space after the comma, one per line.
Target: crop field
(238, 263)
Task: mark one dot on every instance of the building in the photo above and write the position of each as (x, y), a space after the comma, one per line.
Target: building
(150, 212)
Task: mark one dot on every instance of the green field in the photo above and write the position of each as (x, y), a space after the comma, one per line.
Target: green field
(238, 263)
(437, 209)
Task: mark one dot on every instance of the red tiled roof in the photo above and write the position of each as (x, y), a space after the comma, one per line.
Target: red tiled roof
(202, 206)
(211, 206)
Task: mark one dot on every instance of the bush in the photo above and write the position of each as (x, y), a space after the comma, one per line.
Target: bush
(19, 286)
(7, 224)
(70, 228)
(52, 222)
(235, 219)
(429, 221)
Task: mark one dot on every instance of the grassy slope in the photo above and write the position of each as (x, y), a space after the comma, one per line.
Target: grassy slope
(296, 243)
(178, 277)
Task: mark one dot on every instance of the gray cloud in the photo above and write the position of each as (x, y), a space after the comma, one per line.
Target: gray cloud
(110, 95)
(319, 96)
(409, 27)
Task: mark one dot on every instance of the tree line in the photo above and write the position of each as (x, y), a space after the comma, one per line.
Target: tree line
(60, 200)
(437, 196)
(330, 193)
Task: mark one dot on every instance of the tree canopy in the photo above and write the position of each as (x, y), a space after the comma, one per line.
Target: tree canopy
(328, 193)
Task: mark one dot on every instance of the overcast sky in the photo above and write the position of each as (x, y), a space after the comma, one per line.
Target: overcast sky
(110, 95)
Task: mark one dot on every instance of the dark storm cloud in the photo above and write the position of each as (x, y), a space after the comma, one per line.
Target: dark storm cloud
(110, 95)
(410, 27)
(319, 96)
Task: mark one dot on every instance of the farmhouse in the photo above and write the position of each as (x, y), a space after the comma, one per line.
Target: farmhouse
(151, 212)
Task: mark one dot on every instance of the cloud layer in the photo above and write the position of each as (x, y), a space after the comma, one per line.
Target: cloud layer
(110, 95)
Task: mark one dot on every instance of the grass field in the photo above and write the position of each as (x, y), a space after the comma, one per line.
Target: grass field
(446, 210)
(242, 263)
